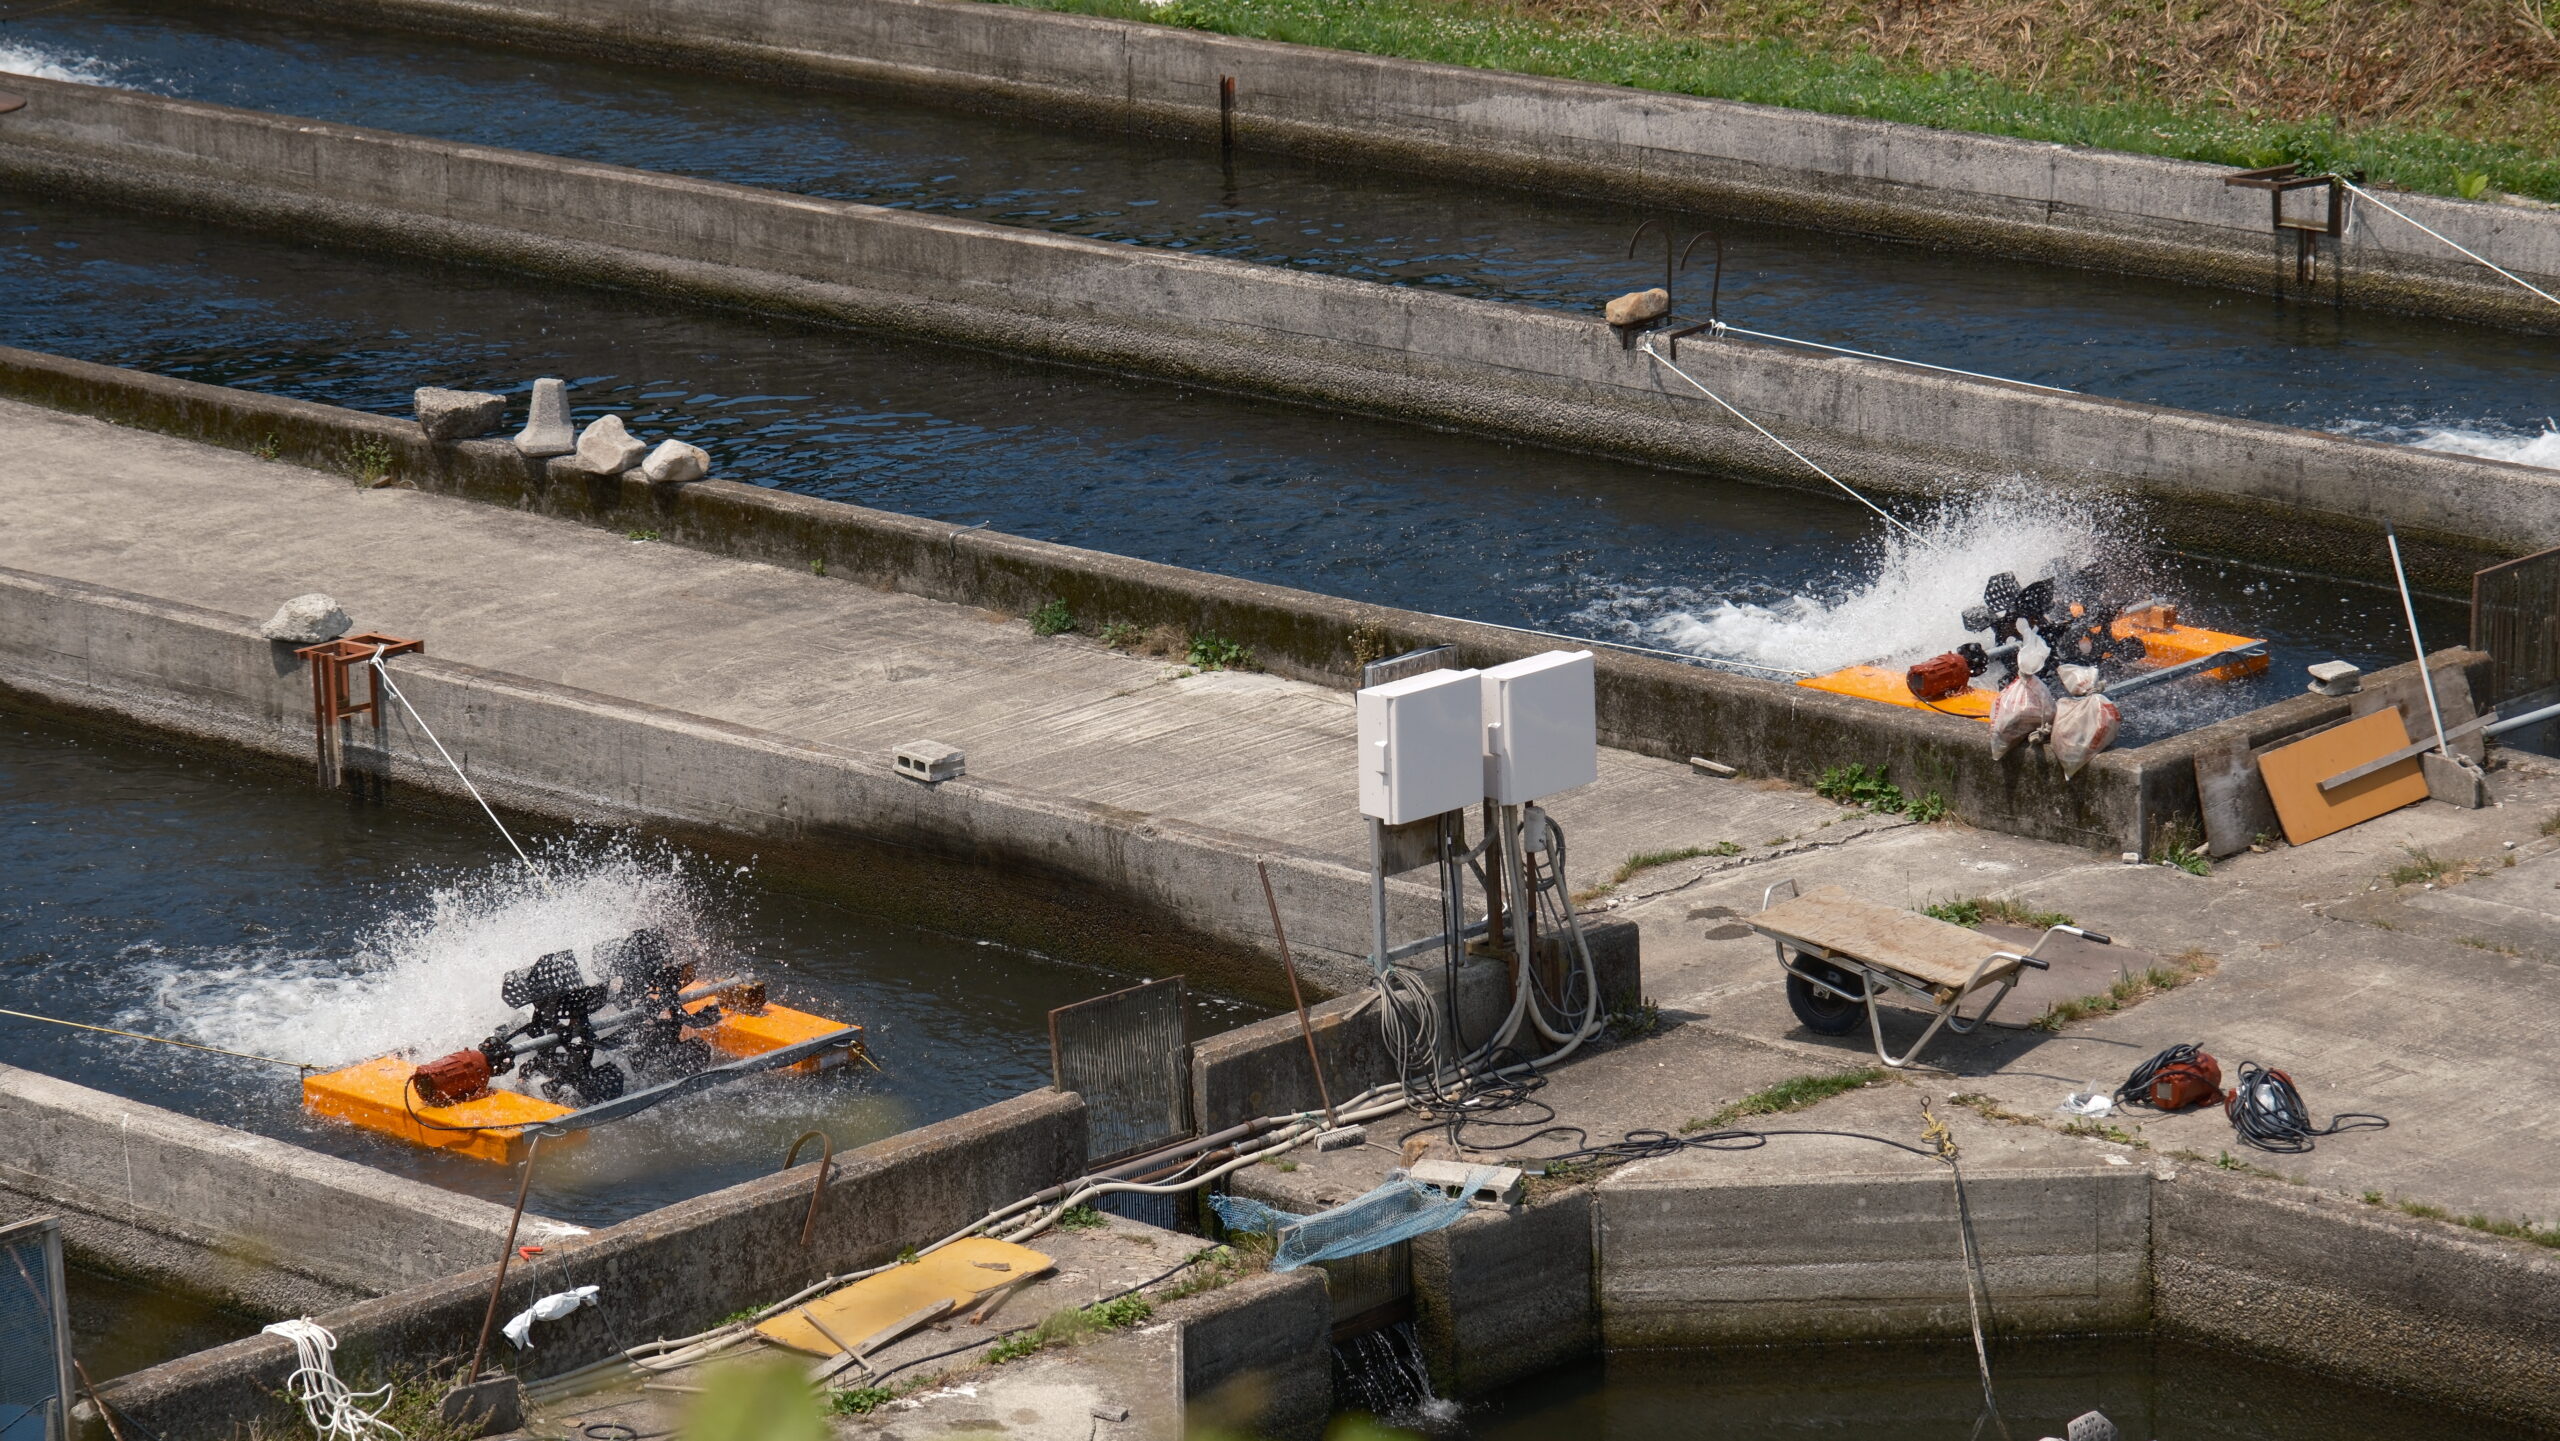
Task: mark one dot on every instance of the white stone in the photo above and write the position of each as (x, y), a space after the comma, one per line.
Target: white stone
(674, 462)
(547, 431)
(605, 448)
(307, 620)
(458, 414)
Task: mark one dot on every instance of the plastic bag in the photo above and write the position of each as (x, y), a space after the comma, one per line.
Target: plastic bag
(2022, 708)
(2076, 679)
(2083, 725)
(549, 1308)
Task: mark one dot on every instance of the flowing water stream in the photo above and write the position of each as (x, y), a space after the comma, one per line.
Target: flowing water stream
(1400, 515)
(158, 892)
(2457, 386)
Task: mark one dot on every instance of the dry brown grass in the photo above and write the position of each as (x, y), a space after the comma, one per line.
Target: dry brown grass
(2480, 68)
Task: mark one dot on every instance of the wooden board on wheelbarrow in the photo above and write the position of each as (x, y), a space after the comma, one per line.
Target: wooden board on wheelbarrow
(1830, 921)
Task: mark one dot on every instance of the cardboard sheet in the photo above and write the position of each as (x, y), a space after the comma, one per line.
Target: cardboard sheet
(2293, 775)
(959, 1273)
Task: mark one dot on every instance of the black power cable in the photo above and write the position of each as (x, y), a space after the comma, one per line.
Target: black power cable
(2267, 1111)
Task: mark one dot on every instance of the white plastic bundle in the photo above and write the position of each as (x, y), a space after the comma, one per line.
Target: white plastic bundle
(2083, 725)
(2022, 708)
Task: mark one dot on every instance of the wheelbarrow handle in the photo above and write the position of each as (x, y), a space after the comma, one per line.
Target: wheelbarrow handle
(2086, 935)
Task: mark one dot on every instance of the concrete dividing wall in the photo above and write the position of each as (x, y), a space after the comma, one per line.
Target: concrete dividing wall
(1692, 1261)
(251, 1222)
(2061, 203)
(2205, 483)
(1064, 875)
(671, 1272)
(1653, 707)
(2420, 1307)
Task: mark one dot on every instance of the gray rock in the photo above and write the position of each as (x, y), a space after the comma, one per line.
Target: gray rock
(547, 431)
(1638, 306)
(307, 620)
(675, 462)
(605, 448)
(458, 414)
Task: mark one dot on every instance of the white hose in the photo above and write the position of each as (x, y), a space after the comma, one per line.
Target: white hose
(335, 1413)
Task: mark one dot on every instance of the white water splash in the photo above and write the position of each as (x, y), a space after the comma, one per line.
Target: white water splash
(425, 981)
(2493, 440)
(1904, 606)
(45, 63)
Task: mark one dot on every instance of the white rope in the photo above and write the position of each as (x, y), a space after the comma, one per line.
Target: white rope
(1646, 345)
(383, 672)
(1721, 328)
(335, 1413)
(2458, 245)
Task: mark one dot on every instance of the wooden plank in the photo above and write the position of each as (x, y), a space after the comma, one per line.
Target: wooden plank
(2293, 774)
(949, 1278)
(1922, 947)
(2236, 808)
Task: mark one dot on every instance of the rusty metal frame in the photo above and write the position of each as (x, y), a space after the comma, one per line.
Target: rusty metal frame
(818, 1188)
(2281, 180)
(1181, 1123)
(332, 702)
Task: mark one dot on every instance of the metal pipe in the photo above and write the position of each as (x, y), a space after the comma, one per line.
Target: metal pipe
(2410, 608)
(1378, 894)
(1306, 1028)
(826, 1164)
(2528, 718)
(489, 1317)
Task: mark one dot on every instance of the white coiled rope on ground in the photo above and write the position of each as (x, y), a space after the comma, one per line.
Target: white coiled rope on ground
(335, 1413)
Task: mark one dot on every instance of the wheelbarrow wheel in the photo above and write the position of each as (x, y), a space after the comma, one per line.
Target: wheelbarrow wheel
(1822, 1012)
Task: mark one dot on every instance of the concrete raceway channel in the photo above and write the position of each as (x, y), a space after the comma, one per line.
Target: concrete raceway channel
(138, 564)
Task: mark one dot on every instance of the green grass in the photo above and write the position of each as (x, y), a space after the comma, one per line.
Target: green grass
(1211, 651)
(2424, 866)
(2127, 990)
(368, 461)
(2535, 1232)
(1642, 861)
(1866, 786)
(1121, 635)
(818, 566)
(1052, 619)
(2181, 845)
(1974, 910)
(1073, 1327)
(1082, 1218)
(640, 535)
(861, 1400)
(1777, 71)
(1794, 1094)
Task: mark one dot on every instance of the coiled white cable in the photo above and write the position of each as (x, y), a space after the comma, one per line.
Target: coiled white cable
(335, 1413)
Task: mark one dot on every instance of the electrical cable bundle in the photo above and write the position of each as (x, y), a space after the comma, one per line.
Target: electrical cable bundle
(2179, 1077)
(2268, 1112)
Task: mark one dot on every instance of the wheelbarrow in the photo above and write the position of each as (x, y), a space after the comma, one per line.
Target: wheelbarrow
(1841, 953)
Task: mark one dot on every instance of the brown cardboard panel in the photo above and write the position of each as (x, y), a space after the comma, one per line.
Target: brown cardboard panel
(2293, 775)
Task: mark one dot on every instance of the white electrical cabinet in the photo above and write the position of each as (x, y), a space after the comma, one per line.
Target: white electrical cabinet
(1421, 746)
(1541, 733)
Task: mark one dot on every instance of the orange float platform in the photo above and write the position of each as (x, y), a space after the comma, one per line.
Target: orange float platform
(2164, 642)
(376, 1096)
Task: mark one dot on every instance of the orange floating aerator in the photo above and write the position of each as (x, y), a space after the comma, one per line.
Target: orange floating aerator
(677, 1037)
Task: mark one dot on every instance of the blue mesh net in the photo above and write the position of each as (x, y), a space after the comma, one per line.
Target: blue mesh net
(1399, 1210)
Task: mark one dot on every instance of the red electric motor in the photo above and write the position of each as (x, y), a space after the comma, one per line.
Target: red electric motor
(2187, 1081)
(450, 1079)
(1940, 676)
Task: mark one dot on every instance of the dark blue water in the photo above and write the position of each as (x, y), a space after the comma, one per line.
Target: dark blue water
(155, 891)
(2192, 347)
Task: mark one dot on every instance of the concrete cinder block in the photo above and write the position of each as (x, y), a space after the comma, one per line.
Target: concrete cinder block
(1502, 1296)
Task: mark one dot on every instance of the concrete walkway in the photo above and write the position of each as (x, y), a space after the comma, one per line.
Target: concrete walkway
(2431, 1007)
(759, 645)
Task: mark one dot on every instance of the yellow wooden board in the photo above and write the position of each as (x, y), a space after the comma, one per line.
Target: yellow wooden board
(2293, 775)
(1922, 947)
(959, 1273)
